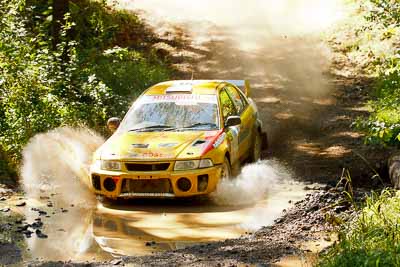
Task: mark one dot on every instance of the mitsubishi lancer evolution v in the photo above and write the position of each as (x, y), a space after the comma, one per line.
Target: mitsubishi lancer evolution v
(179, 139)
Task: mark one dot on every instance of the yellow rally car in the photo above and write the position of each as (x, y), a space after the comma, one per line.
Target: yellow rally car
(179, 139)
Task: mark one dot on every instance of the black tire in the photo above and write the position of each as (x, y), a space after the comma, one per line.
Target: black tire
(226, 169)
(255, 153)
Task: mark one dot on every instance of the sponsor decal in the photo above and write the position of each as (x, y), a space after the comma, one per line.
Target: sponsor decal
(235, 130)
(234, 141)
(219, 140)
(140, 145)
(168, 145)
(150, 155)
(243, 135)
(179, 98)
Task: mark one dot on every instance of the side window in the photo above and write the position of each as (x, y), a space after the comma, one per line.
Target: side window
(237, 99)
(228, 108)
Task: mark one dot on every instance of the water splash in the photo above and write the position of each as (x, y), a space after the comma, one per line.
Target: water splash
(57, 163)
(252, 184)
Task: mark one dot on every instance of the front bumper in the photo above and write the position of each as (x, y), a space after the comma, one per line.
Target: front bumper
(154, 184)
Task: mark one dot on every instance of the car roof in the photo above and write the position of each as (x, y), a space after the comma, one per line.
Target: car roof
(201, 87)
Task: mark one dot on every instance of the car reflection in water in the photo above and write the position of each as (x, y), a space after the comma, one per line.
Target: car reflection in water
(141, 230)
(115, 235)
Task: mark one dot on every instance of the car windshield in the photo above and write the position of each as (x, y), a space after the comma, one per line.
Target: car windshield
(172, 112)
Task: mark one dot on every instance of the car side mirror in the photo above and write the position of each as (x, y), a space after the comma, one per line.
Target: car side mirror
(113, 124)
(233, 121)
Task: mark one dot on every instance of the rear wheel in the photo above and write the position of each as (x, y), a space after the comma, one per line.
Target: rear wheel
(257, 148)
(226, 169)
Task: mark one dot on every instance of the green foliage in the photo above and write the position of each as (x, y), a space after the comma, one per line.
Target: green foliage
(127, 72)
(84, 79)
(373, 238)
(383, 125)
(39, 88)
(386, 12)
(375, 48)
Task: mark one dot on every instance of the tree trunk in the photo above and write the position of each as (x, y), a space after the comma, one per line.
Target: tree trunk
(394, 170)
(60, 8)
(7, 175)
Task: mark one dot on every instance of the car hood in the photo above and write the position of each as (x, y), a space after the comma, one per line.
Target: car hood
(156, 145)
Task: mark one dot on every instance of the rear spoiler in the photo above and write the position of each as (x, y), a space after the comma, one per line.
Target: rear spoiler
(243, 85)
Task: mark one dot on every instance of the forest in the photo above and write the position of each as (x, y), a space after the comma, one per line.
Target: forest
(68, 63)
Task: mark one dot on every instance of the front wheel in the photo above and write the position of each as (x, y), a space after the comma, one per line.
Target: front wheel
(226, 169)
(257, 148)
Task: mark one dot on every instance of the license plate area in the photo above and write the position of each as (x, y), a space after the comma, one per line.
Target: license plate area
(148, 186)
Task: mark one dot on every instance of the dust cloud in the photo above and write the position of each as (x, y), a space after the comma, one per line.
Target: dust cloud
(57, 163)
(277, 45)
(247, 18)
(253, 184)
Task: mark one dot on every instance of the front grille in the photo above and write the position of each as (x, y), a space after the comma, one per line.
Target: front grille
(146, 186)
(139, 167)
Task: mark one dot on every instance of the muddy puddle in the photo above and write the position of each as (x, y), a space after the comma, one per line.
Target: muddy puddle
(141, 227)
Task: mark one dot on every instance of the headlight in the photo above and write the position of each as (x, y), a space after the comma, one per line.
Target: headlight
(192, 164)
(186, 165)
(205, 163)
(110, 165)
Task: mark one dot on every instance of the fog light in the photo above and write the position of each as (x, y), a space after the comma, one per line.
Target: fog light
(109, 184)
(184, 184)
(96, 182)
(202, 182)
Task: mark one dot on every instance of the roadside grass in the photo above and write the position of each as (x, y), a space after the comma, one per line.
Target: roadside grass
(371, 239)
(370, 40)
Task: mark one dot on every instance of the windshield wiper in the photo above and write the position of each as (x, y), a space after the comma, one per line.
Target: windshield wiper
(213, 125)
(153, 127)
